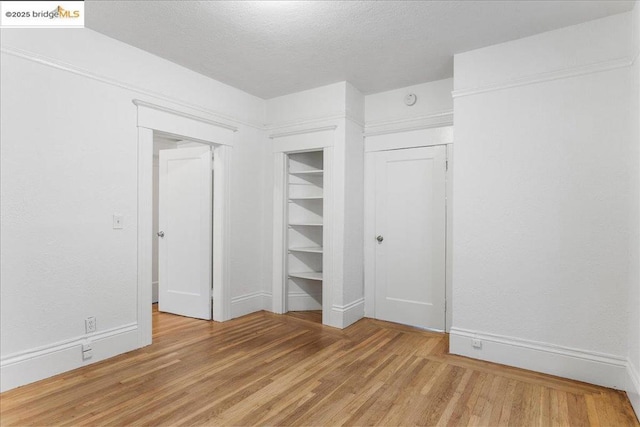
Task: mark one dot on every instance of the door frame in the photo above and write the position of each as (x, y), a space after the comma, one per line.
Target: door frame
(284, 143)
(398, 141)
(220, 136)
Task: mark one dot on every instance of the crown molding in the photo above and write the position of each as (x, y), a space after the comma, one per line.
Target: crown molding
(426, 121)
(549, 76)
(217, 117)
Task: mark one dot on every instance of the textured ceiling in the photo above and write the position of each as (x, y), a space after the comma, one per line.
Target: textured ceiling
(272, 48)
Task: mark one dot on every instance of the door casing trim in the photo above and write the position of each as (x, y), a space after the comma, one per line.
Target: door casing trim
(153, 118)
(398, 141)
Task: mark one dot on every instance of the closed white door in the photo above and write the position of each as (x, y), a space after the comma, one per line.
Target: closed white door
(410, 222)
(184, 222)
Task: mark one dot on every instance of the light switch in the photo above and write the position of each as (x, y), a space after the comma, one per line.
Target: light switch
(118, 222)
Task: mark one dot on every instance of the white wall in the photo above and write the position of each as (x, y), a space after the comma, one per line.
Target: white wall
(434, 106)
(251, 207)
(633, 334)
(353, 269)
(135, 68)
(322, 103)
(541, 195)
(68, 163)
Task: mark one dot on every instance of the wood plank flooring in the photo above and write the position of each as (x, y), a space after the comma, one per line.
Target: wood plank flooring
(266, 369)
(312, 315)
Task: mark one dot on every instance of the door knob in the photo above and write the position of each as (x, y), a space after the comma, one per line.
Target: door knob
(160, 233)
(379, 239)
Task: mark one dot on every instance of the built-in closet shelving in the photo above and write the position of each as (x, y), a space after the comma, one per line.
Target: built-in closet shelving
(305, 204)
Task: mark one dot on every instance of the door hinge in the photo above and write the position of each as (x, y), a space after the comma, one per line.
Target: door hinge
(446, 163)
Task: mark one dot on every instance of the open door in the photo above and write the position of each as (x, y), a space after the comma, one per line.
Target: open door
(184, 244)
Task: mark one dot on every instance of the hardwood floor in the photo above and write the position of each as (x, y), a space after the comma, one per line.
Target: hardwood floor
(266, 369)
(311, 316)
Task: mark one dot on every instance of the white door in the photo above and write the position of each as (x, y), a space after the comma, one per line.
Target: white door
(184, 222)
(410, 223)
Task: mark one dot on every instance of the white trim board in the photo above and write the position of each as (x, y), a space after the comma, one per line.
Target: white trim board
(302, 301)
(582, 365)
(403, 124)
(249, 303)
(350, 313)
(304, 139)
(43, 362)
(152, 119)
(547, 76)
(183, 124)
(409, 139)
(64, 66)
(141, 103)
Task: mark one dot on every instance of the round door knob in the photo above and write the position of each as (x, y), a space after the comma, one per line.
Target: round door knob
(379, 239)
(160, 233)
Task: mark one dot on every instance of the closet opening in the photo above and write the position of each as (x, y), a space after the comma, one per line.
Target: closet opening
(304, 234)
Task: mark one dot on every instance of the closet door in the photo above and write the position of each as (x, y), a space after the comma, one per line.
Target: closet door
(410, 215)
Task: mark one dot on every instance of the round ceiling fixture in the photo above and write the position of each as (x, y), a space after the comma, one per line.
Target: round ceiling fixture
(410, 99)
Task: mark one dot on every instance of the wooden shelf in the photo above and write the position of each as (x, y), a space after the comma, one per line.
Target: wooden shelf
(305, 224)
(311, 275)
(309, 172)
(309, 249)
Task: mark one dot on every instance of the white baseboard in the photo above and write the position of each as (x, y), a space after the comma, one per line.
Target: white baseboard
(582, 365)
(44, 362)
(633, 387)
(154, 292)
(350, 313)
(301, 301)
(267, 301)
(250, 303)
(297, 301)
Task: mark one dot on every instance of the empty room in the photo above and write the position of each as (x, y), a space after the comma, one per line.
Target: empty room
(320, 213)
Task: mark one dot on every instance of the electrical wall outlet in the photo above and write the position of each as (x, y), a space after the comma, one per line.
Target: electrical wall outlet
(476, 343)
(90, 324)
(87, 350)
(118, 222)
